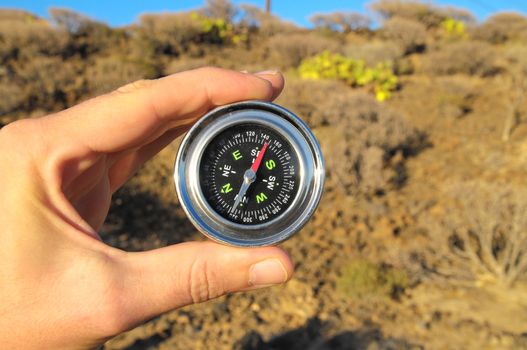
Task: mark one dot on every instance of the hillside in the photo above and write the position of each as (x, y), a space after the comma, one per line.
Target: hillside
(420, 241)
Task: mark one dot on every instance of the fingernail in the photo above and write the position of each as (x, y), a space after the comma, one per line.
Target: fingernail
(244, 71)
(267, 272)
(268, 72)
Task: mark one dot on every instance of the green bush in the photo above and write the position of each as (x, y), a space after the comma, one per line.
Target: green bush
(218, 30)
(362, 278)
(328, 65)
(454, 28)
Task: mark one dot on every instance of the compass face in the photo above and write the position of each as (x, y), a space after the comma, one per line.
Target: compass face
(249, 174)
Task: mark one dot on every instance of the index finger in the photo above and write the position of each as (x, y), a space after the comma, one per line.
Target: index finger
(138, 113)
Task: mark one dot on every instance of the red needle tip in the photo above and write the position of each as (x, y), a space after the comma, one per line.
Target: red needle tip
(258, 159)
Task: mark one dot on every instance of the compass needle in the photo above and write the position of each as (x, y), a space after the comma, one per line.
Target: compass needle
(249, 177)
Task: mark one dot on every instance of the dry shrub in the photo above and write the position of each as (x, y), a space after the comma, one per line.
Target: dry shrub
(287, 50)
(24, 37)
(414, 10)
(408, 34)
(374, 52)
(341, 21)
(266, 23)
(466, 57)
(371, 135)
(166, 33)
(488, 229)
(371, 169)
(357, 134)
(108, 73)
(86, 36)
(16, 15)
(72, 21)
(516, 56)
(223, 9)
(12, 97)
(441, 97)
(48, 83)
(453, 97)
(425, 13)
(503, 27)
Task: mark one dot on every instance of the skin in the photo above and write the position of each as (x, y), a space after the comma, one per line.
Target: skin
(62, 287)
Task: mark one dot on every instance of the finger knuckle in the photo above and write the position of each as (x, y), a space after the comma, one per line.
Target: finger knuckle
(135, 86)
(204, 282)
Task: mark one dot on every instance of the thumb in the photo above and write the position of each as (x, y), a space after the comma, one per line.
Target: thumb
(171, 277)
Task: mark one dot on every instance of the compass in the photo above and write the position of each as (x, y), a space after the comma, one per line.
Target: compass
(249, 174)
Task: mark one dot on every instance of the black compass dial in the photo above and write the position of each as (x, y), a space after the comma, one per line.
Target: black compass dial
(249, 174)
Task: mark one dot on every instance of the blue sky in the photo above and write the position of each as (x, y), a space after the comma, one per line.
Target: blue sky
(119, 13)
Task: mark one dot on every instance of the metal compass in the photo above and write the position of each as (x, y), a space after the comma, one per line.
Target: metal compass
(249, 174)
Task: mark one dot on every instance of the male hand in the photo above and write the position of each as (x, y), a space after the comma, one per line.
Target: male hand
(61, 286)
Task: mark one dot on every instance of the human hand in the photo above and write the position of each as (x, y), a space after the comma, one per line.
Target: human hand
(62, 287)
